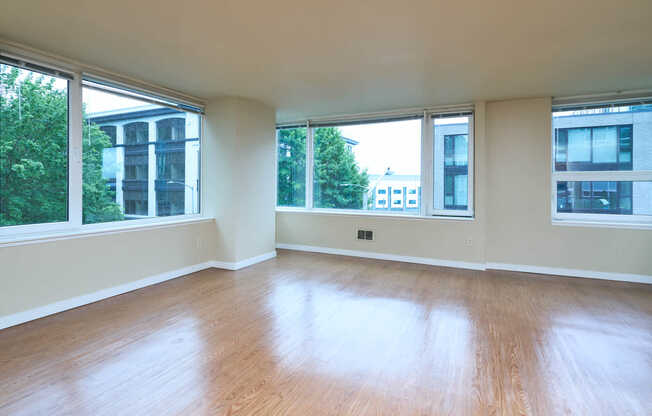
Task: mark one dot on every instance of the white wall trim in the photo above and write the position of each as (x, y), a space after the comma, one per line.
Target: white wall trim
(384, 256)
(63, 305)
(557, 271)
(590, 274)
(105, 229)
(243, 263)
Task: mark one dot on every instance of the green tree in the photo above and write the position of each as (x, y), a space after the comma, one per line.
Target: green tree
(291, 150)
(34, 154)
(338, 180)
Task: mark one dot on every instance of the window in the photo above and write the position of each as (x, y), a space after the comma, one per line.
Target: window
(149, 168)
(594, 148)
(291, 167)
(374, 164)
(34, 147)
(76, 151)
(453, 164)
(602, 163)
(357, 163)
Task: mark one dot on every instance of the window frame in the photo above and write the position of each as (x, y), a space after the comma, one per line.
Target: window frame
(594, 219)
(470, 211)
(426, 195)
(75, 75)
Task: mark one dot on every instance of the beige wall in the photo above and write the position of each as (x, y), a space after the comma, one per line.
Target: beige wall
(240, 183)
(38, 274)
(239, 192)
(512, 225)
(519, 229)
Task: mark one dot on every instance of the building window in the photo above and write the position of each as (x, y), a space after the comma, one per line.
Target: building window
(594, 148)
(352, 179)
(291, 167)
(171, 129)
(34, 147)
(453, 168)
(111, 132)
(602, 163)
(171, 166)
(148, 156)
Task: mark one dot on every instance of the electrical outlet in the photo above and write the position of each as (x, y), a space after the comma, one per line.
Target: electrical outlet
(468, 242)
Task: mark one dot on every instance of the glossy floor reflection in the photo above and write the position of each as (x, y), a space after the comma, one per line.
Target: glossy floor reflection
(312, 334)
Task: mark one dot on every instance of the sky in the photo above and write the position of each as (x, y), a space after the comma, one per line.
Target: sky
(96, 101)
(395, 145)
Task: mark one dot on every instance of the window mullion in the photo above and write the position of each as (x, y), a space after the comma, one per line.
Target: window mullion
(310, 161)
(75, 155)
(427, 158)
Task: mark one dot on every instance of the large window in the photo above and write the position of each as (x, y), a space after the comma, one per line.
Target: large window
(602, 163)
(376, 165)
(34, 147)
(355, 163)
(79, 151)
(150, 168)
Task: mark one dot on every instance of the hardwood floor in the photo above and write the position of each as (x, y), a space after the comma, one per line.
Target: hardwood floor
(313, 334)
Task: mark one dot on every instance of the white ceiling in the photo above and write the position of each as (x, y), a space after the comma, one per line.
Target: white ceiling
(309, 58)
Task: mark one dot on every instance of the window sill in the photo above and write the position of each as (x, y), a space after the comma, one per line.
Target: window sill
(372, 214)
(98, 229)
(602, 224)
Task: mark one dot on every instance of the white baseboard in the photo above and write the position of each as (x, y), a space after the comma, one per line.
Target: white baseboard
(243, 263)
(384, 256)
(63, 305)
(622, 277)
(591, 274)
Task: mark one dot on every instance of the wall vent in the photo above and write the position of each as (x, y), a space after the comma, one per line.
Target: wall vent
(365, 235)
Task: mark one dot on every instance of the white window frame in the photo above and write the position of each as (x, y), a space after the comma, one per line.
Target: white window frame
(588, 219)
(427, 159)
(74, 225)
(469, 212)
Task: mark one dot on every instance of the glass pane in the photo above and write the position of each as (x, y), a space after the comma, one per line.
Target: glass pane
(579, 145)
(625, 147)
(461, 190)
(605, 197)
(140, 160)
(451, 163)
(461, 150)
(33, 147)
(291, 178)
(610, 138)
(605, 145)
(368, 166)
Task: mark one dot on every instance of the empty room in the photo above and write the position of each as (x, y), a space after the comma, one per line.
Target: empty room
(326, 208)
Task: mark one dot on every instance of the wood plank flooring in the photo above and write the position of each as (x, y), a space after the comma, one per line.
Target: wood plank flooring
(313, 334)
